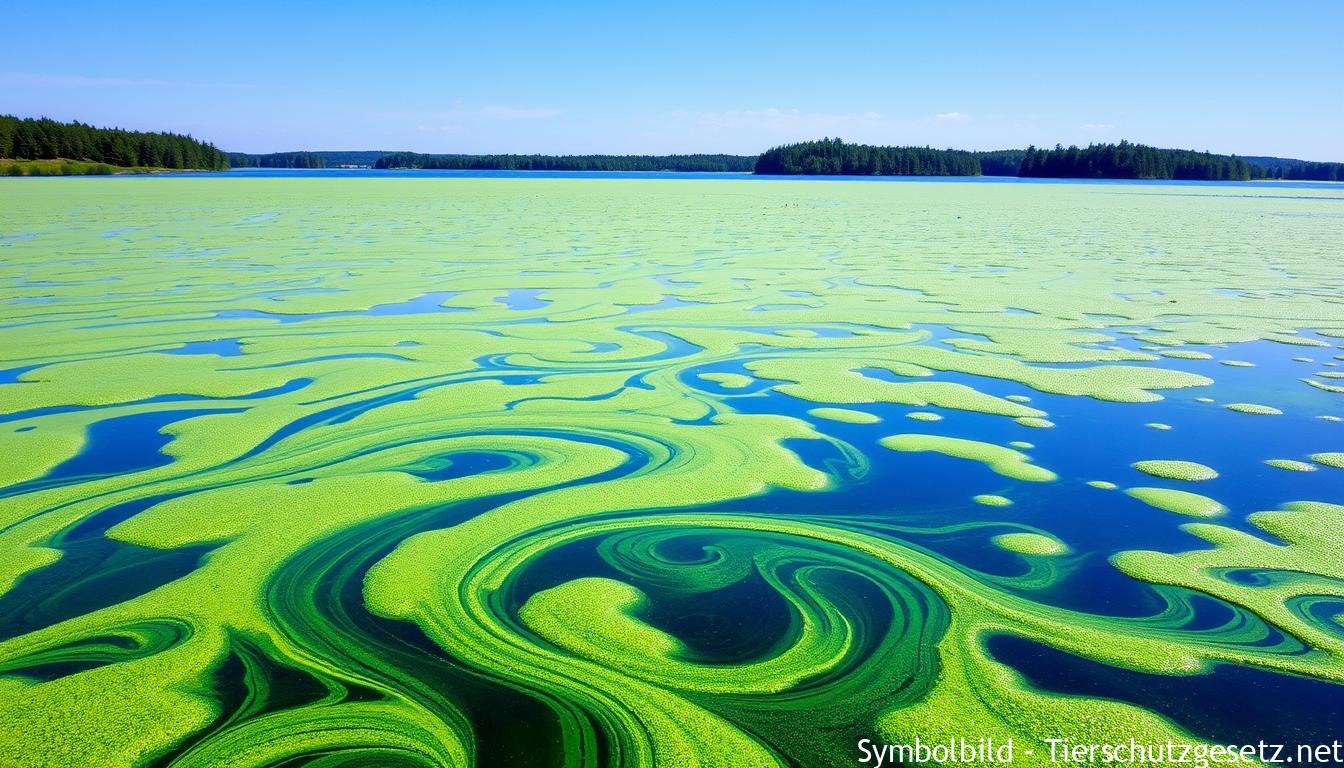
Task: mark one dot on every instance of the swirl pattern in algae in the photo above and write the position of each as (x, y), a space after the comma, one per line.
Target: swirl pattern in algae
(430, 472)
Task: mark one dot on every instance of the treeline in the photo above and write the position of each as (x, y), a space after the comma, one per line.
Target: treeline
(683, 163)
(1287, 168)
(1002, 162)
(1303, 171)
(1134, 161)
(1095, 161)
(276, 160)
(45, 139)
(316, 159)
(830, 157)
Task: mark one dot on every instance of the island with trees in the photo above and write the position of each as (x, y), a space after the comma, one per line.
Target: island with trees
(45, 147)
(835, 157)
(1124, 160)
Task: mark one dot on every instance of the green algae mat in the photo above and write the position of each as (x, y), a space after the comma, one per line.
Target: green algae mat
(556, 472)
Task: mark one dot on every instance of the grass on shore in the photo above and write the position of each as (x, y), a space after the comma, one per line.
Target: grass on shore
(62, 167)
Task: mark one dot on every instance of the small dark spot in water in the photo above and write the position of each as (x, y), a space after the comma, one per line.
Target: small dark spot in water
(299, 481)
(28, 428)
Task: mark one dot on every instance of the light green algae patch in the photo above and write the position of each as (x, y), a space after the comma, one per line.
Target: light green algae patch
(1005, 461)
(1173, 469)
(728, 380)
(1237, 363)
(1021, 445)
(1031, 544)
(1158, 426)
(1180, 502)
(1253, 408)
(1335, 460)
(1104, 485)
(923, 416)
(1186, 354)
(992, 500)
(1323, 386)
(1038, 423)
(847, 415)
(1291, 464)
(1297, 341)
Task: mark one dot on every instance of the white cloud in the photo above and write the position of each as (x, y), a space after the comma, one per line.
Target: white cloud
(1096, 126)
(951, 117)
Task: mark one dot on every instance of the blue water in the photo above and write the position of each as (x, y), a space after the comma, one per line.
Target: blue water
(426, 304)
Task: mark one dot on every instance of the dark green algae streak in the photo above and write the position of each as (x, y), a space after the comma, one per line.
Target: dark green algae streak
(575, 473)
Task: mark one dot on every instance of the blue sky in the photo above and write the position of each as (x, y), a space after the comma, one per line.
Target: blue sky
(1252, 78)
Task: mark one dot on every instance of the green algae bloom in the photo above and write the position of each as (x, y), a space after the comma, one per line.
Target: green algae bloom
(1032, 421)
(1158, 426)
(1253, 408)
(1173, 469)
(1031, 544)
(1005, 461)
(1180, 502)
(429, 472)
(847, 415)
(923, 416)
(1186, 354)
(728, 380)
(1104, 485)
(1291, 464)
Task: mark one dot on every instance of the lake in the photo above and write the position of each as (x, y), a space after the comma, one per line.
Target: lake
(434, 468)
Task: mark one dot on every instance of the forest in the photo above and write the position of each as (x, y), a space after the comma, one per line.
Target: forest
(1134, 161)
(1095, 161)
(360, 158)
(1305, 171)
(277, 160)
(1001, 162)
(835, 157)
(684, 163)
(86, 149)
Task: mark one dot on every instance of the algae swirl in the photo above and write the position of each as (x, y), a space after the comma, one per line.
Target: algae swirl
(393, 472)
